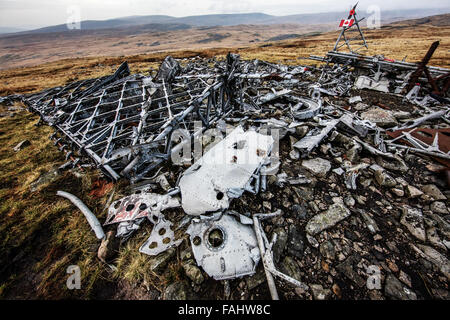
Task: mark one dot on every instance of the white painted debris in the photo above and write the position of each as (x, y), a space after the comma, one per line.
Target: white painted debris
(224, 172)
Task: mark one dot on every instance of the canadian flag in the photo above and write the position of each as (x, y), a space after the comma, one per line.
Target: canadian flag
(347, 23)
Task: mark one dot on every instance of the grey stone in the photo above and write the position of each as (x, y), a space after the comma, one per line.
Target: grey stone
(335, 213)
(312, 241)
(294, 154)
(21, 145)
(444, 226)
(361, 106)
(257, 279)
(384, 179)
(291, 268)
(380, 117)
(318, 166)
(436, 258)
(327, 250)
(347, 269)
(44, 178)
(434, 239)
(405, 278)
(295, 242)
(413, 192)
(434, 192)
(193, 272)
(439, 207)
(280, 244)
(108, 247)
(370, 222)
(303, 193)
(354, 99)
(319, 293)
(179, 290)
(412, 219)
(159, 262)
(349, 201)
(394, 289)
(398, 192)
(301, 131)
(352, 154)
(162, 180)
(299, 211)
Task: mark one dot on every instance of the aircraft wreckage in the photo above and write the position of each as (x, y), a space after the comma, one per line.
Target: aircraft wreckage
(128, 125)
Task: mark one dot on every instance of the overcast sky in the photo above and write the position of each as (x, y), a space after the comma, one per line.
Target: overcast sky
(37, 13)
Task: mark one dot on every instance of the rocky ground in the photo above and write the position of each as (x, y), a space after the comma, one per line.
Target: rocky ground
(335, 239)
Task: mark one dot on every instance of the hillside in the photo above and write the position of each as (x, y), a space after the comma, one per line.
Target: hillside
(211, 20)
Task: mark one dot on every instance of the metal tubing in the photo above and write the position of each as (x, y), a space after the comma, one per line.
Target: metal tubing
(91, 218)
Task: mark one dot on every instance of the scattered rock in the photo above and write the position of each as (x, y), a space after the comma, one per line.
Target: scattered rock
(434, 239)
(384, 179)
(294, 154)
(159, 262)
(193, 272)
(346, 268)
(295, 242)
(179, 290)
(435, 257)
(354, 99)
(412, 219)
(361, 106)
(413, 192)
(352, 154)
(299, 211)
(255, 280)
(335, 213)
(370, 223)
(280, 245)
(381, 117)
(405, 278)
(162, 180)
(301, 131)
(337, 291)
(108, 247)
(398, 192)
(434, 192)
(44, 178)
(318, 166)
(396, 290)
(312, 241)
(439, 207)
(319, 293)
(349, 201)
(291, 268)
(327, 250)
(21, 145)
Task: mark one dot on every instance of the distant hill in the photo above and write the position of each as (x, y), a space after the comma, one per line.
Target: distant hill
(236, 19)
(10, 30)
(441, 20)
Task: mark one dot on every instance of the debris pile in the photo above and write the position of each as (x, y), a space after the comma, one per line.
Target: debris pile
(338, 164)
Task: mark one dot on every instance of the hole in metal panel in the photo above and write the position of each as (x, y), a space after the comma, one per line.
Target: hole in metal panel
(215, 238)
